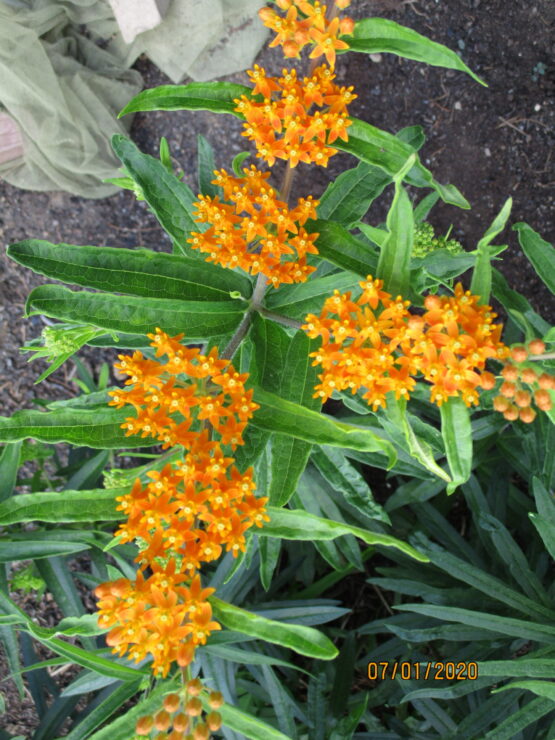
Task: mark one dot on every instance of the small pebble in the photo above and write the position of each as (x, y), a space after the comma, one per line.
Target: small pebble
(376, 57)
(487, 151)
(458, 106)
(537, 107)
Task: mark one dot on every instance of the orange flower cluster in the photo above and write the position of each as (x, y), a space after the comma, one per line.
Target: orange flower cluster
(306, 23)
(284, 128)
(190, 510)
(184, 715)
(514, 400)
(256, 231)
(376, 343)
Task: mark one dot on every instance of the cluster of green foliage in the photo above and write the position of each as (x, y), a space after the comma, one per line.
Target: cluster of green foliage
(343, 575)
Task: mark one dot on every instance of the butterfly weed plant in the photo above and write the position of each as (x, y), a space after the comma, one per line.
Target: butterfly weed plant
(282, 352)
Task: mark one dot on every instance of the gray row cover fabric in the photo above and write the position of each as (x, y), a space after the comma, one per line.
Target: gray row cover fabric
(64, 92)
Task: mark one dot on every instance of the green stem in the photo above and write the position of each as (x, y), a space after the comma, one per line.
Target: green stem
(539, 358)
(279, 319)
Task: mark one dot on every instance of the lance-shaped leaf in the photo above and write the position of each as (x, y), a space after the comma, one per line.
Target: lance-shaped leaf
(99, 428)
(456, 431)
(303, 640)
(296, 301)
(517, 305)
(347, 199)
(377, 35)
(384, 150)
(419, 449)
(288, 372)
(540, 253)
(284, 417)
(338, 246)
(296, 524)
(67, 506)
(170, 198)
(481, 276)
(139, 272)
(217, 97)
(396, 251)
(9, 464)
(136, 315)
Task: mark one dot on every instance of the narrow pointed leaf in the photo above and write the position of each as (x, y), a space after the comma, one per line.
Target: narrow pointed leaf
(284, 417)
(338, 246)
(378, 35)
(456, 431)
(303, 640)
(296, 524)
(97, 505)
(136, 315)
(482, 273)
(216, 97)
(139, 272)
(98, 428)
(9, 465)
(386, 151)
(540, 253)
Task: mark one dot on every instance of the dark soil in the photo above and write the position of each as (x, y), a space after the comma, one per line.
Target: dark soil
(491, 142)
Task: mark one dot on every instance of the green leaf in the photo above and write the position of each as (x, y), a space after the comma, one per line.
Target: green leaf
(344, 477)
(296, 301)
(539, 252)
(102, 711)
(288, 371)
(457, 435)
(537, 667)
(170, 199)
(297, 524)
(99, 428)
(513, 303)
(197, 319)
(206, 167)
(284, 417)
(217, 97)
(86, 659)
(419, 449)
(237, 163)
(139, 272)
(396, 251)
(67, 506)
(338, 246)
(482, 274)
(522, 628)
(9, 465)
(348, 198)
(165, 156)
(513, 725)
(386, 151)
(30, 549)
(303, 640)
(544, 520)
(377, 35)
(118, 729)
(244, 723)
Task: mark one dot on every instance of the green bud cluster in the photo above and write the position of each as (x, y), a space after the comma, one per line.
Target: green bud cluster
(116, 478)
(425, 241)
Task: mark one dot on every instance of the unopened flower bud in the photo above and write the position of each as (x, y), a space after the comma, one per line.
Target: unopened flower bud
(193, 707)
(172, 702)
(511, 414)
(536, 347)
(201, 732)
(509, 372)
(508, 389)
(144, 725)
(180, 722)
(546, 381)
(519, 353)
(215, 700)
(527, 415)
(214, 721)
(528, 375)
(162, 720)
(522, 399)
(543, 399)
(194, 686)
(500, 403)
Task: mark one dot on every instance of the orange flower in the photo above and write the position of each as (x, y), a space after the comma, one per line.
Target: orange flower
(310, 26)
(189, 511)
(283, 126)
(256, 231)
(376, 344)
